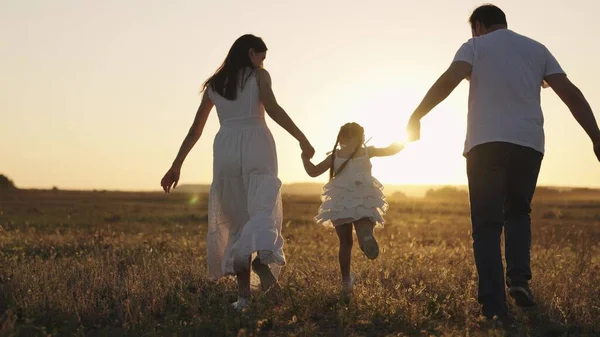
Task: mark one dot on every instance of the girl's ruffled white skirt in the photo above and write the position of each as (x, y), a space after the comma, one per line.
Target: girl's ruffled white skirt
(347, 200)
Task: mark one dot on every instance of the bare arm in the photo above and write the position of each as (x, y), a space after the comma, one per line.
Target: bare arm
(385, 151)
(577, 104)
(442, 88)
(195, 130)
(274, 110)
(316, 170)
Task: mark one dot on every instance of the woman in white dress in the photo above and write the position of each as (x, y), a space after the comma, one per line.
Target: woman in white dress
(245, 212)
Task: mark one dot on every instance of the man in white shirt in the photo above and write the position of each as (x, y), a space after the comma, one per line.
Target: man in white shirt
(504, 145)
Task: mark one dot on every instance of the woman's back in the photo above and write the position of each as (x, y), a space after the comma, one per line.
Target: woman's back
(247, 102)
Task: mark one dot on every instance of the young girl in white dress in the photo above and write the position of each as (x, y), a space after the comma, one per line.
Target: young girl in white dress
(352, 195)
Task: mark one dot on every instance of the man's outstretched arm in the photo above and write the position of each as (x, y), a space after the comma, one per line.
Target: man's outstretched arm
(577, 104)
(441, 89)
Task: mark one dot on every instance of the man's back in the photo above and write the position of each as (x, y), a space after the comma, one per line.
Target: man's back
(504, 96)
(504, 147)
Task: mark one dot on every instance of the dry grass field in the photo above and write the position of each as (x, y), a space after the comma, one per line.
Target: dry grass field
(116, 264)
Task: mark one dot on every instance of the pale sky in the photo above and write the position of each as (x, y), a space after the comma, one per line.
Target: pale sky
(100, 94)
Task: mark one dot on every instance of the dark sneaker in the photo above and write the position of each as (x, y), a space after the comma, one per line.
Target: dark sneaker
(522, 295)
(367, 242)
(490, 314)
(267, 279)
(505, 321)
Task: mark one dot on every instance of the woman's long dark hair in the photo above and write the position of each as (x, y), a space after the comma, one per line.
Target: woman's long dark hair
(236, 68)
(347, 131)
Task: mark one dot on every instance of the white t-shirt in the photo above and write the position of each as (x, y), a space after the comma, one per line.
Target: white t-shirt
(504, 94)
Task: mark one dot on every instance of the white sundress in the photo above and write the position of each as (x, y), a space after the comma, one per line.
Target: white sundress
(245, 211)
(352, 195)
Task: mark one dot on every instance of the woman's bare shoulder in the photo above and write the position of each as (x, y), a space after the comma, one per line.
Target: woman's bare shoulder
(263, 76)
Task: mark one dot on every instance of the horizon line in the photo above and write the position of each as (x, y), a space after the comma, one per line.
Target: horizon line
(158, 189)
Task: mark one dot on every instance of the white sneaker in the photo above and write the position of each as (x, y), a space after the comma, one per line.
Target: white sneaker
(240, 304)
(348, 286)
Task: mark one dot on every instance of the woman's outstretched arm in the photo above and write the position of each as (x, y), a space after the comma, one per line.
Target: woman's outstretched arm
(195, 130)
(279, 115)
(171, 178)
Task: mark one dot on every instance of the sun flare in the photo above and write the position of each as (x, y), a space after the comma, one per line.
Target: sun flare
(436, 158)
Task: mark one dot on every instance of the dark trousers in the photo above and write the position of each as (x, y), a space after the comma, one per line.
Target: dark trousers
(502, 179)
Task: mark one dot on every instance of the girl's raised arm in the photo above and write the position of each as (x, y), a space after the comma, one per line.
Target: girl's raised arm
(385, 151)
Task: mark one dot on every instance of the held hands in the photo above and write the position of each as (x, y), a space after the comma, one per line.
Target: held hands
(307, 149)
(171, 178)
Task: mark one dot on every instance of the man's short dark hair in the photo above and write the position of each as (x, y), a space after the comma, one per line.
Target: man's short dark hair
(488, 15)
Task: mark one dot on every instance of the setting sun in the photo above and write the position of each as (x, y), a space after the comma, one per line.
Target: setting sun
(384, 113)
